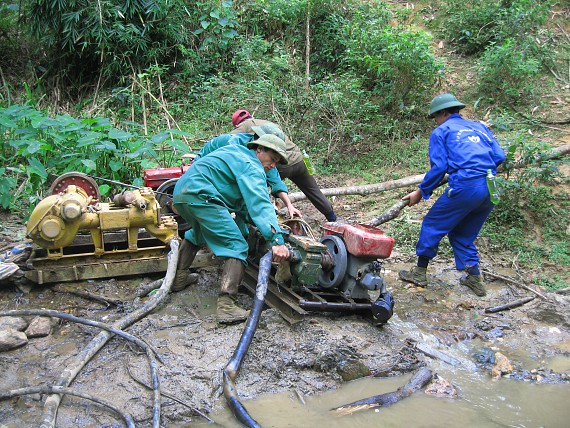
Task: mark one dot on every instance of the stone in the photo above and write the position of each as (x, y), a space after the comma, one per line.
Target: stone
(39, 327)
(17, 323)
(11, 339)
(502, 366)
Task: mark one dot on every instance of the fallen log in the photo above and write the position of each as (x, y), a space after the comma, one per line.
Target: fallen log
(510, 305)
(389, 214)
(419, 380)
(368, 189)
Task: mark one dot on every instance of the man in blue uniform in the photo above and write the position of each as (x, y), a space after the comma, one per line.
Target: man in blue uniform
(464, 150)
(278, 188)
(231, 179)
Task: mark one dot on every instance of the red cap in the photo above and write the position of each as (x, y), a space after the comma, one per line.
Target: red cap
(239, 116)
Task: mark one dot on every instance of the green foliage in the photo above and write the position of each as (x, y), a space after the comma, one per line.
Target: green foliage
(397, 63)
(556, 282)
(217, 24)
(116, 37)
(36, 147)
(528, 206)
(507, 35)
(474, 26)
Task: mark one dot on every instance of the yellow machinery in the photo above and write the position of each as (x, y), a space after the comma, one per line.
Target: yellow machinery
(118, 245)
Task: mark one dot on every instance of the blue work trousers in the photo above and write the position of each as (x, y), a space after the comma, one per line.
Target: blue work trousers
(212, 224)
(460, 214)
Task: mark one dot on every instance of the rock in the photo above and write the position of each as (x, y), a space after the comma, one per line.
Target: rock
(39, 327)
(17, 323)
(352, 369)
(441, 388)
(12, 339)
(553, 311)
(502, 366)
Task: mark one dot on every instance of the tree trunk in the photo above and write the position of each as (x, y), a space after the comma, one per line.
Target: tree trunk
(403, 182)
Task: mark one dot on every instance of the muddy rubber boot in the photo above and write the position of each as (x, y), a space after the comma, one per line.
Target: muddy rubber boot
(475, 283)
(186, 255)
(227, 310)
(416, 275)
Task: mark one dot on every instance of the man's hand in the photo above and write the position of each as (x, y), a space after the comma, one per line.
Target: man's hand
(294, 212)
(280, 253)
(414, 197)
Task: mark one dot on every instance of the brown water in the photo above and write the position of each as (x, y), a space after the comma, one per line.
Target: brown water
(481, 402)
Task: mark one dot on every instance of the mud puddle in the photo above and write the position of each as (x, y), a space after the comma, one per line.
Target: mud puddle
(481, 404)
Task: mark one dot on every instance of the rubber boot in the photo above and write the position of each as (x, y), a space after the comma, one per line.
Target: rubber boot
(186, 255)
(475, 283)
(227, 309)
(416, 275)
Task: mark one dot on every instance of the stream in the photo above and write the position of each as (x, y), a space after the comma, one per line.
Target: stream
(481, 401)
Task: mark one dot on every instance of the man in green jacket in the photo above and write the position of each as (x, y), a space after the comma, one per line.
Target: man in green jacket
(278, 188)
(295, 170)
(231, 179)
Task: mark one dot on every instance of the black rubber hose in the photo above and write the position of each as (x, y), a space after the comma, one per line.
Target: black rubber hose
(231, 369)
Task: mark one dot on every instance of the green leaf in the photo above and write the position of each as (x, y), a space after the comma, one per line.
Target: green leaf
(159, 138)
(37, 168)
(118, 134)
(205, 24)
(179, 145)
(147, 164)
(230, 34)
(33, 147)
(106, 144)
(7, 123)
(115, 165)
(88, 137)
(89, 164)
(104, 189)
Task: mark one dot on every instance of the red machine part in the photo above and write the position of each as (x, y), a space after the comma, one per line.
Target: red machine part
(155, 177)
(362, 240)
(78, 179)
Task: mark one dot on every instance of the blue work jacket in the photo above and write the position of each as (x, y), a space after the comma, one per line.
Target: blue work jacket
(464, 150)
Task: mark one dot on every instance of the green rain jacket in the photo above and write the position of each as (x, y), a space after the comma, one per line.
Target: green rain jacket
(273, 178)
(229, 179)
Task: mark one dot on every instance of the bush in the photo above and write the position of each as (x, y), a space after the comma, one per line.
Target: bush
(398, 64)
(474, 26)
(37, 148)
(508, 72)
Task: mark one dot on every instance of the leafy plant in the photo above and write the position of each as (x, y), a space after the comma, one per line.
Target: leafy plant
(528, 205)
(38, 147)
(398, 64)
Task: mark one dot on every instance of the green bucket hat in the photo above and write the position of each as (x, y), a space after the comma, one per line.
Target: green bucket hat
(272, 142)
(443, 101)
(268, 128)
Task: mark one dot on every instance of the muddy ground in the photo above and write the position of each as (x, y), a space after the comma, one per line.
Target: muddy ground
(316, 355)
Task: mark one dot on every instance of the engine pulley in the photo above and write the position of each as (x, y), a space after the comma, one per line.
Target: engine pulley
(332, 278)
